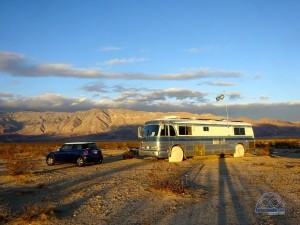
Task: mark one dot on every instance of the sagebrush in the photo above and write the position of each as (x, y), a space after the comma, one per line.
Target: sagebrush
(168, 177)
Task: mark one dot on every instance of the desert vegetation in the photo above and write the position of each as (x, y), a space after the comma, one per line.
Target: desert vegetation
(29, 184)
(169, 178)
(278, 143)
(264, 147)
(21, 158)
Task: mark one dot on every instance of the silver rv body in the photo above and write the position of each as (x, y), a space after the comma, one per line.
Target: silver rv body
(158, 138)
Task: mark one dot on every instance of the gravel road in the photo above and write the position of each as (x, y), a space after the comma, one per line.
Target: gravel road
(218, 191)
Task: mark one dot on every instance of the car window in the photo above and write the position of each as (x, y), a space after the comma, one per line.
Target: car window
(79, 146)
(76, 147)
(85, 146)
(92, 145)
(66, 148)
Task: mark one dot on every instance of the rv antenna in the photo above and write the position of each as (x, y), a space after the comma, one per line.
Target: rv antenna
(221, 97)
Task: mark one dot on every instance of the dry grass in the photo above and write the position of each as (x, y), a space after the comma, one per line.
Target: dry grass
(118, 145)
(38, 210)
(18, 161)
(167, 177)
(5, 214)
(129, 155)
(42, 149)
(23, 158)
(278, 143)
(264, 146)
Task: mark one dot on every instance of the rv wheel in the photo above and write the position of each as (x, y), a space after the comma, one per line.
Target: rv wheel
(239, 151)
(176, 154)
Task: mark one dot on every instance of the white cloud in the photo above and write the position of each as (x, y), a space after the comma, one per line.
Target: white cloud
(45, 102)
(94, 87)
(119, 61)
(207, 48)
(192, 50)
(110, 48)
(264, 97)
(6, 95)
(257, 76)
(234, 95)
(221, 84)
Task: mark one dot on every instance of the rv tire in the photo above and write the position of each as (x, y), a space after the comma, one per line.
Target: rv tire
(239, 151)
(176, 154)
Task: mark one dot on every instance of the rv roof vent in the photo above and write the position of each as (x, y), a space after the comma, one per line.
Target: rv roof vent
(172, 117)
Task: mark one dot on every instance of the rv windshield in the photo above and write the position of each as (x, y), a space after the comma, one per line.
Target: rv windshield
(151, 130)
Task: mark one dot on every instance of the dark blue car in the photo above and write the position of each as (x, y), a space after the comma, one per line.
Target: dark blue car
(76, 152)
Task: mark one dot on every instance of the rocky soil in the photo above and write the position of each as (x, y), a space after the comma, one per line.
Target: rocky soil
(216, 191)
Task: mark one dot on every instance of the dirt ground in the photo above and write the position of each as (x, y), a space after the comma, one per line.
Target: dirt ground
(217, 191)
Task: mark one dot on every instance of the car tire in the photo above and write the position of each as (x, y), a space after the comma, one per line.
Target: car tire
(50, 160)
(98, 161)
(80, 161)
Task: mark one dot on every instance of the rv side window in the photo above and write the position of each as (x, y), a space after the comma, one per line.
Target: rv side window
(205, 128)
(163, 131)
(239, 131)
(185, 130)
(172, 131)
(167, 130)
(181, 130)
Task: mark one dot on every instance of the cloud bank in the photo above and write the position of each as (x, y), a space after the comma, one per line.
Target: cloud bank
(170, 100)
(14, 64)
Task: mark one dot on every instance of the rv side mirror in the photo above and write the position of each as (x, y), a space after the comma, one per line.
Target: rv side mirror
(140, 135)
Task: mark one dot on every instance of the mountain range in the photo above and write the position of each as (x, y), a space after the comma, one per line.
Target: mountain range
(110, 124)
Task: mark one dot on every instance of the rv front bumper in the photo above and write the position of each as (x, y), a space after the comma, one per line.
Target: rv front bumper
(154, 153)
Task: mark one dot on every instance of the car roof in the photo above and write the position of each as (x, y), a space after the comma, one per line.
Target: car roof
(79, 143)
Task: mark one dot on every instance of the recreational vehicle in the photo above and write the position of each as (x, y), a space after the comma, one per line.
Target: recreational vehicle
(178, 138)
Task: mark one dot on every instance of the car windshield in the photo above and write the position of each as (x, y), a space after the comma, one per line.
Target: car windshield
(151, 130)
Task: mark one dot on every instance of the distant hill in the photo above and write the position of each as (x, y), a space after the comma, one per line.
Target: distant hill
(109, 124)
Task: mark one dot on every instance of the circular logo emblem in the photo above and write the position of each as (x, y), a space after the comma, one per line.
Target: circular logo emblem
(270, 203)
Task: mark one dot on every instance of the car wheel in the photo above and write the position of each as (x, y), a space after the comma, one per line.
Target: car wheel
(176, 154)
(50, 160)
(80, 161)
(98, 161)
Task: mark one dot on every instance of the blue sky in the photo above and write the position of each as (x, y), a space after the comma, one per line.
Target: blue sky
(152, 56)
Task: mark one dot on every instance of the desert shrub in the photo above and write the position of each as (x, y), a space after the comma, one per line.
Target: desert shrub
(18, 161)
(167, 177)
(129, 154)
(21, 164)
(117, 144)
(278, 143)
(287, 144)
(32, 211)
(265, 146)
(37, 149)
(5, 214)
(263, 151)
